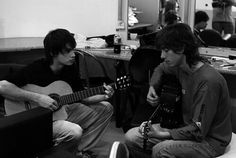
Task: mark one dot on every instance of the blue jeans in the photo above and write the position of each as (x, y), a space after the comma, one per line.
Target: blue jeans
(166, 148)
(85, 123)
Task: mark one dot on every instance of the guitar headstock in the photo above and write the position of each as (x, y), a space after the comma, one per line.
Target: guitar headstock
(123, 82)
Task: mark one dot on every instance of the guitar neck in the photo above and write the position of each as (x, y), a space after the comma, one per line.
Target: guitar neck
(77, 96)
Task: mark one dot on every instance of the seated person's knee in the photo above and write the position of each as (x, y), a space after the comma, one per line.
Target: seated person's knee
(132, 135)
(76, 132)
(108, 106)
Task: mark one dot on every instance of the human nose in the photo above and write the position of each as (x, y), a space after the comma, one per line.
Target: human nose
(163, 54)
(72, 53)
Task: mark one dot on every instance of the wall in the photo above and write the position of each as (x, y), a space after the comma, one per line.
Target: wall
(32, 18)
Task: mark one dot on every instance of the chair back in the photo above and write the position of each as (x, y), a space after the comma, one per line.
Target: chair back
(148, 39)
(142, 64)
(87, 61)
(212, 38)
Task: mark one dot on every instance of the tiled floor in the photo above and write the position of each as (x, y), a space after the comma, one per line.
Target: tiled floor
(112, 134)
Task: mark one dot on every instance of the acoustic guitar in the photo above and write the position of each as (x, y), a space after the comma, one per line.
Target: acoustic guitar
(63, 94)
(169, 110)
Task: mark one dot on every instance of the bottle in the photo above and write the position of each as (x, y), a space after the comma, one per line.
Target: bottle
(117, 44)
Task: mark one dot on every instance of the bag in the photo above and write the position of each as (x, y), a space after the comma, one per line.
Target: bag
(109, 39)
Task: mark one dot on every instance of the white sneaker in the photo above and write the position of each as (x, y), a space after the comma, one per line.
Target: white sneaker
(119, 150)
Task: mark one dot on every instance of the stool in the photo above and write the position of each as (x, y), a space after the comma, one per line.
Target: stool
(230, 151)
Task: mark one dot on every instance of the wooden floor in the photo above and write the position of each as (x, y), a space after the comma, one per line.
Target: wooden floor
(112, 134)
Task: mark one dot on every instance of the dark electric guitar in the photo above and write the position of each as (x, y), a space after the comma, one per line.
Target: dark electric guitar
(63, 94)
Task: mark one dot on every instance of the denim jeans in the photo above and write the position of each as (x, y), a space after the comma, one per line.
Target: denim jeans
(166, 148)
(85, 123)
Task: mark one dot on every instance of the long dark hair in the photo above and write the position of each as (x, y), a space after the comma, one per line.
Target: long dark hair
(55, 41)
(179, 37)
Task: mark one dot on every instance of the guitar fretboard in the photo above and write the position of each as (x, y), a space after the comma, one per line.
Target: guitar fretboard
(77, 96)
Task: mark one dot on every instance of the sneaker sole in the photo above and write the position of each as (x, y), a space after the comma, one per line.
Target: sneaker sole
(113, 152)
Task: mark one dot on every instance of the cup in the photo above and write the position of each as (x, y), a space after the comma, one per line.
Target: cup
(133, 36)
(117, 48)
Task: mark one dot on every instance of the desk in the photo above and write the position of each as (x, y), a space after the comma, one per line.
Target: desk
(125, 55)
(230, 70)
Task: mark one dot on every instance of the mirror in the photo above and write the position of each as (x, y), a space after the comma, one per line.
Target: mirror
(142, 17)
(186, 11)
(207, 7)
(148, 16)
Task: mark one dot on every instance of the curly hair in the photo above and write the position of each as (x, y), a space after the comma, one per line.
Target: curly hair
(179, 37)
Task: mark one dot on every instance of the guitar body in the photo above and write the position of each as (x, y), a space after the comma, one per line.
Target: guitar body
(63, 94)
(170, 112)
(57, 88)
